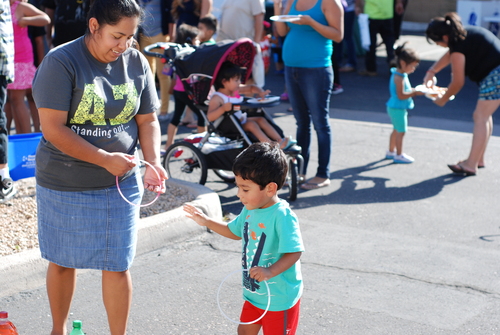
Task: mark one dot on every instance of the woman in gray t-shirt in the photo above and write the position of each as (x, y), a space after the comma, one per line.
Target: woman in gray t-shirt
(96, 98)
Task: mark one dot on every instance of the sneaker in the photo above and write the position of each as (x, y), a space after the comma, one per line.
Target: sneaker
(389, 154)
(367, 73)
(7, 189)
(403, 159)
(347, 68)
(337, 89)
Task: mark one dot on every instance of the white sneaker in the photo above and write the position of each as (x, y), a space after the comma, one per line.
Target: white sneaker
(390, 155)
(403, 159)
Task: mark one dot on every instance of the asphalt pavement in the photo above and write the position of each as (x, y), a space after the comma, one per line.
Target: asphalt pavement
(390, 249)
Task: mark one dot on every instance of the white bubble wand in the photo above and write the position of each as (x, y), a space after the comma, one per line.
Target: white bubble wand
(138, 161)
(239, 322)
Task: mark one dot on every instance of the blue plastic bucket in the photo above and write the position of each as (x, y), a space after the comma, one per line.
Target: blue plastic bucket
(21, 157)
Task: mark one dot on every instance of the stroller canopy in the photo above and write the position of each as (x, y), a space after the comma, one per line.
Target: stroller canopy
(207, 59)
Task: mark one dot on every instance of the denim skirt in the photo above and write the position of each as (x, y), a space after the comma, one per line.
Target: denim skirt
(91, 229)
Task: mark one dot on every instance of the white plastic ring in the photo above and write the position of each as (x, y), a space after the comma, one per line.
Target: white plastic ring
(139, 205)
(239, 322)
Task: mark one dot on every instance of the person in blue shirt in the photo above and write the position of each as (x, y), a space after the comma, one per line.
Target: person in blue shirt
(400, 101)
(271, 241)
(307, 53)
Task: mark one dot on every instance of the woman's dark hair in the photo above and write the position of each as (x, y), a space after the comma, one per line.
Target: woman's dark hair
(180, 3)
(449, 25)
(262, 163)
(227, 71)
(110, 12)
(186, 34)
(407, 55)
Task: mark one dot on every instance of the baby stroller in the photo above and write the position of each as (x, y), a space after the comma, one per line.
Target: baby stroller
(191, 158)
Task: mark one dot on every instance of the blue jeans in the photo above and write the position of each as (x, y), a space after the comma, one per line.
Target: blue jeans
(348, 41)
(3, 121)
(309, 90)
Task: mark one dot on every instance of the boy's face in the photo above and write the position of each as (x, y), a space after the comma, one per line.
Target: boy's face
(251, 196)
(204, 33)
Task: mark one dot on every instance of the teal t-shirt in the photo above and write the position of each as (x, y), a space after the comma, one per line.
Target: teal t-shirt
(305, 47)
(266, 235)
(394, 101)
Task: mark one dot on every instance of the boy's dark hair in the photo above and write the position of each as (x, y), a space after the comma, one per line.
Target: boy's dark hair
(186, 34)
(407, 55)
(210, 22)
(110, 12)
(227, 71)
(262, 163)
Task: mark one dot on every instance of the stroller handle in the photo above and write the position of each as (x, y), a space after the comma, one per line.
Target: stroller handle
(159, 45)
(170, 50)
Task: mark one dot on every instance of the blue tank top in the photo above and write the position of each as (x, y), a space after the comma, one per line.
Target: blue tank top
(304, 46)
(394, 101)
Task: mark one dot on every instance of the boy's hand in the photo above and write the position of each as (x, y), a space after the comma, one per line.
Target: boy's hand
(260, 274)
(195, 214)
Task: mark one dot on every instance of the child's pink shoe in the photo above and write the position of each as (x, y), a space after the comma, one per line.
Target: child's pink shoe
(284, 97)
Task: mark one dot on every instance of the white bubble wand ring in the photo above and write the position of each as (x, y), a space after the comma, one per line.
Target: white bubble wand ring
(157, 195)
(239, 322)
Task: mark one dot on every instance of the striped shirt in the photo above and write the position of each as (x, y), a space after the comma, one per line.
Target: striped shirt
(6, 42)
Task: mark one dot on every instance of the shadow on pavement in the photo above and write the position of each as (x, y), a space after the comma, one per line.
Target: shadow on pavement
(349, 192)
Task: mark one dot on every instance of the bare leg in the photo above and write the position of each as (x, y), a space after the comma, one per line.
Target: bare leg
(267, 128)
(20, 111)
(34, 111)
(392, 141)
(252, 329)
(61, 283)
(171, 132)
(490, 128)
(399, 143)
(483, 125)
(117, 296)
(253, 127)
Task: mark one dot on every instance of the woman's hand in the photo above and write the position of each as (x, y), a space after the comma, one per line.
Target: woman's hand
(303, 20)
(118, 163)
(151, 181)
(428, 79)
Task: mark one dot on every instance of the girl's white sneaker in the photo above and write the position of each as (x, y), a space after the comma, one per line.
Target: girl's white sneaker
(403, 159)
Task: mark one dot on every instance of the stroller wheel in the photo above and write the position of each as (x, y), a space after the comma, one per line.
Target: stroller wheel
(186, 162)
(226, 176)
(292, 179)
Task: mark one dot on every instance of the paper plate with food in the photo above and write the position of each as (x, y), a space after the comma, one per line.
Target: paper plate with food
(285, 18)
(266, 100)
(435, 92)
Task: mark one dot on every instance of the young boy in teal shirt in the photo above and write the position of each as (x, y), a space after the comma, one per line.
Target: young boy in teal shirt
(271, 241)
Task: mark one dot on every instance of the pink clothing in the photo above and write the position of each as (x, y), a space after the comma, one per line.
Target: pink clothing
(24, 72)
(22, 42)
(178, 84)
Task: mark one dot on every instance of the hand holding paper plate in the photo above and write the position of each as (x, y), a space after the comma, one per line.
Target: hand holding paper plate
(285, 18)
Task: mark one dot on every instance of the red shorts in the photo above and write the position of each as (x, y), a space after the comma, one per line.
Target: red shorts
(275, 323)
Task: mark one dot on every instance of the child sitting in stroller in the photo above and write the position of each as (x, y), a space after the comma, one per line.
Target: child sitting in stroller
(228, 84)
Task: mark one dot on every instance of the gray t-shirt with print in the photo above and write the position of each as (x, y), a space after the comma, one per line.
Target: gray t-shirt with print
(102, 100)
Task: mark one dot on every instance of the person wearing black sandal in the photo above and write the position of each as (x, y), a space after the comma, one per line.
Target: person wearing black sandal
(473, 52)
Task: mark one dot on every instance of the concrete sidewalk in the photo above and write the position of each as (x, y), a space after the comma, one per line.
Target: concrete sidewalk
(26, 270)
